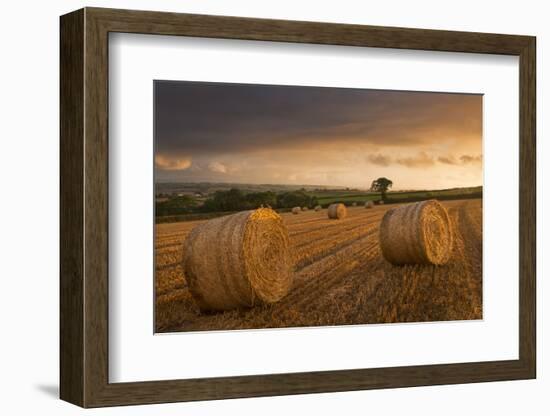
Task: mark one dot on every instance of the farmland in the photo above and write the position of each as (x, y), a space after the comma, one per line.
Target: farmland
(188, 202)
(326, 197)
(340, 276)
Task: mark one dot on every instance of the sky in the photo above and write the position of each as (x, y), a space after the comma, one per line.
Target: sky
(297, 135)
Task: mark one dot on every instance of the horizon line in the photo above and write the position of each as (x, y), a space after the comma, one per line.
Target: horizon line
(310, 186)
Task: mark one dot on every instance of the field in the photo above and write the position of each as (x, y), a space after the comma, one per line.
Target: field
(340, 276)
(191, 204)
(326, 197)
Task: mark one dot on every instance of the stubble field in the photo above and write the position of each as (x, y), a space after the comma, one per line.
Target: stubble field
(340, 276)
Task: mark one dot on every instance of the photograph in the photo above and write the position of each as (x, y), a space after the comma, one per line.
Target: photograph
(286, 206)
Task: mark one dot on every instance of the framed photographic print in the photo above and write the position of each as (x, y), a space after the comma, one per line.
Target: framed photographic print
(262, 207)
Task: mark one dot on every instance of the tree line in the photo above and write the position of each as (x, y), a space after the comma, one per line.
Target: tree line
(235, 200)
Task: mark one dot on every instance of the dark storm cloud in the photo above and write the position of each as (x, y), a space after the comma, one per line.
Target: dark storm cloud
(212, 118)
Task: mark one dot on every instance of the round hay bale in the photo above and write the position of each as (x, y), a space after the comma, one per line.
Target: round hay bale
(238, 260)
(337, 211)
(380, 202)
(354, 204)
(305, 208)
(369, 204)
(296, 210)
(318, 208)
(419, 233)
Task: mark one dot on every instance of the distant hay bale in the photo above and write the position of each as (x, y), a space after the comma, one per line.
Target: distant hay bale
(296, 210)
(354, 204)
(419, 233)
(318, 208)
(305, 208)
(369, 204)
(380, 202)
(238, 260)
(337, 211)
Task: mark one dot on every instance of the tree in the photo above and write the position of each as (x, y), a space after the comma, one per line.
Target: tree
(296, 199)
(175, 206)
(257, 199)
(232, 200)
(381, 185)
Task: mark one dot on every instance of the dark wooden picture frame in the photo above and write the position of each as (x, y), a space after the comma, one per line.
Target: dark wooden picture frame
(84, 207)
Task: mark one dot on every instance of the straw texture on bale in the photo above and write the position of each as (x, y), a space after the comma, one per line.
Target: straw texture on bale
(369, 204)
(238, 260)
(318, 208)
(337, 211)
(296, 210)
(419, 233)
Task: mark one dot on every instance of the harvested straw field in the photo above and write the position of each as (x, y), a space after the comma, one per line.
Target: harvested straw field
(339, 276)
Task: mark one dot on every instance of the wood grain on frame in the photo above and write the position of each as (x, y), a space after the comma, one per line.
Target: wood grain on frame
(84, 207)
(71, 215)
